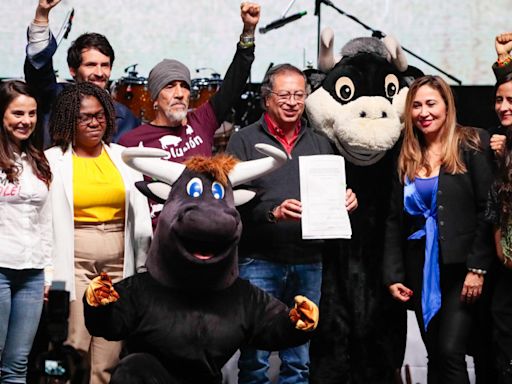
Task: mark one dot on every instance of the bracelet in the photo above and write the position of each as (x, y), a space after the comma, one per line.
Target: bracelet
(246, 41)
(477, 271)
(39, 21)
(504, 62)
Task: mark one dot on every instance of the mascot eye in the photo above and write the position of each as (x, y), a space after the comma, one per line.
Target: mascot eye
(195, 187)
(345, 88)
(217, 190)
(391, 85)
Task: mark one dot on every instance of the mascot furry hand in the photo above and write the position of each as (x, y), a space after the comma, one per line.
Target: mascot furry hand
(359, 104)
(183, 319)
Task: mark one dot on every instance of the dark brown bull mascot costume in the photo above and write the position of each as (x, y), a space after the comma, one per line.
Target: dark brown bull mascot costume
(184, 318)
(359, 105)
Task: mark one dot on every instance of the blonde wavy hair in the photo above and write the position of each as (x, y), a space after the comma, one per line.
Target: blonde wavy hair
(413, 155)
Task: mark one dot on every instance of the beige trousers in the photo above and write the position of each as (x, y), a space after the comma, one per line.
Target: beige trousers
(98, 247)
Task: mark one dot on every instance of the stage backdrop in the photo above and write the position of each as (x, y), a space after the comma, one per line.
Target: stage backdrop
(455, 36)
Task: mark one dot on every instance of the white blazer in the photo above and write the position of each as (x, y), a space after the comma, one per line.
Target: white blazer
(137, 226)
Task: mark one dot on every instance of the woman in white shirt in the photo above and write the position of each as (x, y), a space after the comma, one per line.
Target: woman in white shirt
(25, 229)
(104, 222)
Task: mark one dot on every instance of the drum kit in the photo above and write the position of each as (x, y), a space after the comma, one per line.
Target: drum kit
(132, 91)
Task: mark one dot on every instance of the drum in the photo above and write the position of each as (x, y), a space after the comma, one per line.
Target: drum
(133, 92)
(203, 89)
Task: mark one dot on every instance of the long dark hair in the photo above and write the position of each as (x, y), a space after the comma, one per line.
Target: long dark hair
(9, 91)
(504, 182)
(65, 113)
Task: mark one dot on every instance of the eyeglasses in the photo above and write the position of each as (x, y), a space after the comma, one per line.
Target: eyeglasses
(86, 118)
(284, 96)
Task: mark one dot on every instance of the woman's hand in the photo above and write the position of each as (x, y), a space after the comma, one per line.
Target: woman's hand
(472, 288)
(497, 144)
(46, 292)
(503, 44)
(400, 292)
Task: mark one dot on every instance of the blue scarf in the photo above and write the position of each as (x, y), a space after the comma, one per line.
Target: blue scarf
(431, 290)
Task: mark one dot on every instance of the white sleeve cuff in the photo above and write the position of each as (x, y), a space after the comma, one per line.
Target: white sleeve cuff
(38, 37)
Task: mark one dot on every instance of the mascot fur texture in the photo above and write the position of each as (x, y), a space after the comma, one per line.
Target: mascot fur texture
(183, 319)
(359, 105)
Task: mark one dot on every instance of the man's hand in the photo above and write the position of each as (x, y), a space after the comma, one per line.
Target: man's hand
(351, 201)
(250, 13)
(43, 9)
(503, 44)
(497, 144)
(290, 209)
(305, 314)
(100, 291)
(400, 292)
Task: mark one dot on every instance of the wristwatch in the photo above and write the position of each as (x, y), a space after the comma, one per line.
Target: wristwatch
(271, 218)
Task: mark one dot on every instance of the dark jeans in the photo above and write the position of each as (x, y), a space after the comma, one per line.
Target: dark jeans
(283, 281)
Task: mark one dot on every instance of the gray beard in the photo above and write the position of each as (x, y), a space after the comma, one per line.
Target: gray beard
(175, 117)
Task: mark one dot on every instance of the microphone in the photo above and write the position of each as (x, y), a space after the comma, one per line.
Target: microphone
(70, 23)
(283, 21)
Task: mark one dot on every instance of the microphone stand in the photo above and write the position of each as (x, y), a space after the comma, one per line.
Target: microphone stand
(65, 27)
(375, 33)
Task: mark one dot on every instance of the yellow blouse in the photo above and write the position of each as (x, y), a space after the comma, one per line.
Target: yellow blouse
(98, 189)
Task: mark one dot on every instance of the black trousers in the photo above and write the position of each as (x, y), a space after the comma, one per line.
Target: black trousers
(502, 317)
(448, 333)
(141, 368)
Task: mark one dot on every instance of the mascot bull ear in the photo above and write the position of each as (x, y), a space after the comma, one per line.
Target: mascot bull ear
(246, 171)
(155, 190)
(147, 161)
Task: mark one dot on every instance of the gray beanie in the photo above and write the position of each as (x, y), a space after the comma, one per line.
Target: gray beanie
(165, 72)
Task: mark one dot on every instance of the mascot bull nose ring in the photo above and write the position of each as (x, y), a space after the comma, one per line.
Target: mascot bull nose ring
(187, 315)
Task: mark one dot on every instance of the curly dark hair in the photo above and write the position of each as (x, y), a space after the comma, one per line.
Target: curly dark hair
(9, 91)
(65, 113)
(89, 41)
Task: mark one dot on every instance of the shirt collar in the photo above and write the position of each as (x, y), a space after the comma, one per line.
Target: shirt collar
(275, 130)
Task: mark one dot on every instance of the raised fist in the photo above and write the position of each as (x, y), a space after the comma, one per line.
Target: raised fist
(305, 314)
(101, 291)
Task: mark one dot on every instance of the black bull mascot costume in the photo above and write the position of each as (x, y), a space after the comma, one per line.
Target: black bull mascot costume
(359, 105)
(183, 319)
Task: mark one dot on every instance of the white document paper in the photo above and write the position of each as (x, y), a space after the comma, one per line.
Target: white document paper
(322, 194)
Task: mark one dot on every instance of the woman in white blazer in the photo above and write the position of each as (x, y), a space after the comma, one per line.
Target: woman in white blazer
(102, 222)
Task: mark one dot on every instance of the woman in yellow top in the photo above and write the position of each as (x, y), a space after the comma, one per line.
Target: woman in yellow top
(102, 222)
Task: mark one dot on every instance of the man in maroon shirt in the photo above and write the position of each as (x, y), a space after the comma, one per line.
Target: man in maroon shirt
(184, 133)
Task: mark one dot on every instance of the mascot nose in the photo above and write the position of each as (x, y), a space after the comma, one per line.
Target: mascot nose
(363, 114)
